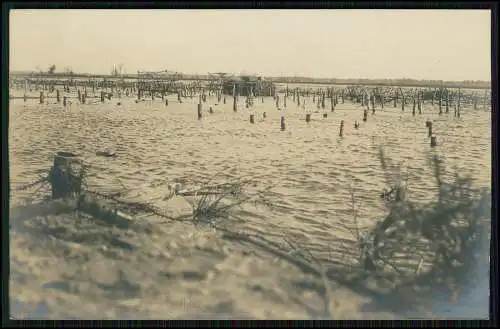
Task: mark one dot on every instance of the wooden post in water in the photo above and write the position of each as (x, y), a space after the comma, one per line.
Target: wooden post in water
(308, 117)
(61, 177)
(282, 120)
(458, 102)
(365, 115)
(64, 101)
(264, 115)
(441, 101)
(252, 117)
(447, 100)
(341, 133)
(58, 96)
(41, 97)
(433, 141)
(420, 101)
(414, 105)
(429, 128)
(199, 111)
(278, 102)
(235, 106)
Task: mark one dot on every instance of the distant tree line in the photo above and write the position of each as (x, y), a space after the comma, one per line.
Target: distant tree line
(387, 82)
(119, 71)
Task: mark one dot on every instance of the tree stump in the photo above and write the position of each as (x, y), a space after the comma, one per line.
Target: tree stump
(62, 179)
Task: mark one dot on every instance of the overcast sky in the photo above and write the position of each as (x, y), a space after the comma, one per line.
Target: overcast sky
(419, 44)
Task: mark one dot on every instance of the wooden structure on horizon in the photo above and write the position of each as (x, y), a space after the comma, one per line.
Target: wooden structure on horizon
(245, 85)
(158, 81)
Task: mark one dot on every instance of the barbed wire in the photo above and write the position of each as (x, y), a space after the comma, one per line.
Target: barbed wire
(25, 187)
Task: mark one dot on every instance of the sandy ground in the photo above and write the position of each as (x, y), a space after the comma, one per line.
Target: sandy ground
(67, 266)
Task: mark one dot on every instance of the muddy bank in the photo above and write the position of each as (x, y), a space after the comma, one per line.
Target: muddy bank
(67, 266)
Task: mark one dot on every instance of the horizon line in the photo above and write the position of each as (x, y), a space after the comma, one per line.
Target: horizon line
(237, 74)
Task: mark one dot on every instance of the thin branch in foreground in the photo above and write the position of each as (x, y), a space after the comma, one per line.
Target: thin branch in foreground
(329, 302)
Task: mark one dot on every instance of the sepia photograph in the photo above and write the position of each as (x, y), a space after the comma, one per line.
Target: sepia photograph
(249, 164)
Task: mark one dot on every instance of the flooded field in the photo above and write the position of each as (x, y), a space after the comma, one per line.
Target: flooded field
(174, 270)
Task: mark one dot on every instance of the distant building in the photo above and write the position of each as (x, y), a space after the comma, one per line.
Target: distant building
(242, 86)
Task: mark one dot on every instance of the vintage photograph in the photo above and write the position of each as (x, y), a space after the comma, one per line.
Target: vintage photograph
(249, 164)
